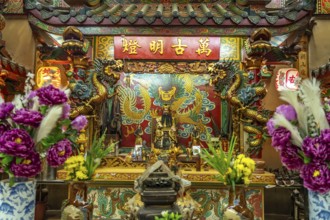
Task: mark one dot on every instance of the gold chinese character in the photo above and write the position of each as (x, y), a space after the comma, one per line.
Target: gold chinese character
(179, 48)
(130, 46)
(157, 46)
(203, 47)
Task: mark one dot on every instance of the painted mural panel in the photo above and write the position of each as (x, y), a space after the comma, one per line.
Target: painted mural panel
(191, 100)
(110, 201)
(323, 7)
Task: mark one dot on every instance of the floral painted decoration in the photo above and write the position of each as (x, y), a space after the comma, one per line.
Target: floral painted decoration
(36, 127)
(301, 134)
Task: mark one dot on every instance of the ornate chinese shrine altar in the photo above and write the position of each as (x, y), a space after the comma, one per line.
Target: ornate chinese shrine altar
(157, 77)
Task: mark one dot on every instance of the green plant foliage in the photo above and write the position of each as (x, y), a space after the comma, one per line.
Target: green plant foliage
(218, 158)
(96, 153)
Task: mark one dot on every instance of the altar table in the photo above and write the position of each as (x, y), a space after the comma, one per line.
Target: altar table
(113, 187)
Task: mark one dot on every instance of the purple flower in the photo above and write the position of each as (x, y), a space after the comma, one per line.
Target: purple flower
(30, 99)
(29, 167)
(5, 109)
(16, 142)
(27, 117)
(3, 127)
(316, 177)
(59, 152)
(325, 135)
(79, 123)
(50, 95)
(328, 116)
(287, 111)
(66, 111)
(31, 95)
(280, 138)
(270, 126)
(318, 148)
(290, 157)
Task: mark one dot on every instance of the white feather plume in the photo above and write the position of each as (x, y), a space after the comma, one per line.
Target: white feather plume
(67, 92)
(291, 97)
(36, 104)
(311, 96)
(17, 102)
(49, 122)
(280, 120)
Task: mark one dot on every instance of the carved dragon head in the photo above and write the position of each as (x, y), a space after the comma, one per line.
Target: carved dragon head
(222, 74)
(110, 69)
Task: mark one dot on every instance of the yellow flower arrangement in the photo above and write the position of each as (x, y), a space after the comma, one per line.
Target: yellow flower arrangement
(232, 169)
(82, 167)
(76, 168)
(243, 168)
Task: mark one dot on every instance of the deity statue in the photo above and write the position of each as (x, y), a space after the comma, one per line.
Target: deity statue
(158, 141)
(165, 133)
(166, 119)
(138, 136)
(195, 136)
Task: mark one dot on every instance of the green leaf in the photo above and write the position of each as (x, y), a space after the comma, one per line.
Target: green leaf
(218, 159)
(52, 139)
(7, 160)
(11, 179)
(43, 109)
(18, 160)
(65, 122)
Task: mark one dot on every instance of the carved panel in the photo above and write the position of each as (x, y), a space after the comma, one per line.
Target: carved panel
(230, 48)
(110, 200)
(104, 47)
(197, 67)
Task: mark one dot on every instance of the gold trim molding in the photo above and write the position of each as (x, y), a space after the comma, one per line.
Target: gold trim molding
(130, 174)
(197, 67)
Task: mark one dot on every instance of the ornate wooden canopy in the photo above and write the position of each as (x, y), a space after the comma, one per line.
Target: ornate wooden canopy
(112, 17)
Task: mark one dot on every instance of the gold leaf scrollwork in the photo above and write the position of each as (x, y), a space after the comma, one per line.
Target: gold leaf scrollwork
(166, 68)
(104, 47)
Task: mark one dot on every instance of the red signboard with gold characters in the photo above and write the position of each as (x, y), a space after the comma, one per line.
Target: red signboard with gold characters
(167, 48)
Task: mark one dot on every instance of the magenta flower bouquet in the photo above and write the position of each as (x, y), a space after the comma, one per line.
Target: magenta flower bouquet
(300, 132)
(34, 128)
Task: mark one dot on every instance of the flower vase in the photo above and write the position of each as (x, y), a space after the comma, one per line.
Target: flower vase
(48, 172)
(17, 201)
(237, 207)
(319, 205)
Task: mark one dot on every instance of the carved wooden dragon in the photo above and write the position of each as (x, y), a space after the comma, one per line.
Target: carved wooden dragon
(232, 85)
(105, 74)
